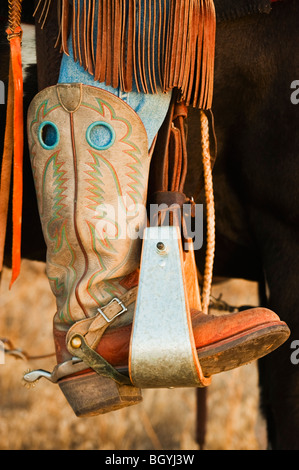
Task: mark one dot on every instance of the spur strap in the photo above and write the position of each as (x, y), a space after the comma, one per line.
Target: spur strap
(93, 328)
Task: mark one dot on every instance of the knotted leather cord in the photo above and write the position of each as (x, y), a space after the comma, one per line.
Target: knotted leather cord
(209, 196)
(13, 141)
(178, 152)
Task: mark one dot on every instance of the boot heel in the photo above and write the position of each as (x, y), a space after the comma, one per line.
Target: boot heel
(90, 394)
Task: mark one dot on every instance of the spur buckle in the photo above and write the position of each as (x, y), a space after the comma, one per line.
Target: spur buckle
(119, 302)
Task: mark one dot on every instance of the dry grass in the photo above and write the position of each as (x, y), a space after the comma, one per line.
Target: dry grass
(40, 418)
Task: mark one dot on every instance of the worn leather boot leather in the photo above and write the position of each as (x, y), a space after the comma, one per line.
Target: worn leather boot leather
(223, 342)
(90, 164)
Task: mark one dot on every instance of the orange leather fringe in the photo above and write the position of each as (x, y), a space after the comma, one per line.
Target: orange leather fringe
(13, 144)
(123, 51)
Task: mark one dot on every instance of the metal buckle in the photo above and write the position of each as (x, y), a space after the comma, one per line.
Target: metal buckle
(124, 309)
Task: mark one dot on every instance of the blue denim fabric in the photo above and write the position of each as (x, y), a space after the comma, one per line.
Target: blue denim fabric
(151, 108)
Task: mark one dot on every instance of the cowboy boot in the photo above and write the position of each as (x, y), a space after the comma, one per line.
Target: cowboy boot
(90, 163)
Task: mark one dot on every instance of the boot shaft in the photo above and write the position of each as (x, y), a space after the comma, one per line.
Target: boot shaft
(90, 163)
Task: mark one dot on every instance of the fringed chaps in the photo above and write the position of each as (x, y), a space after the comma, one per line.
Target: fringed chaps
(142, 44)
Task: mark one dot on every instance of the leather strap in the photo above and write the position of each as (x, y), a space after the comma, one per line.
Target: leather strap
(93, 328)
(169, 167)
(18, 142)
(13, 144)
(112, 310)
(6, 167)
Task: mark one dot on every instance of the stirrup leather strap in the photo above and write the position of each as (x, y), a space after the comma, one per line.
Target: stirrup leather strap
(13, 142)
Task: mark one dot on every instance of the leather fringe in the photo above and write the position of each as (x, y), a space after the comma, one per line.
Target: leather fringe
(122, 50)
(12, 161)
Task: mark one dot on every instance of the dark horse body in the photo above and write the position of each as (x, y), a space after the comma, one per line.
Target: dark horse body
(255, 182)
